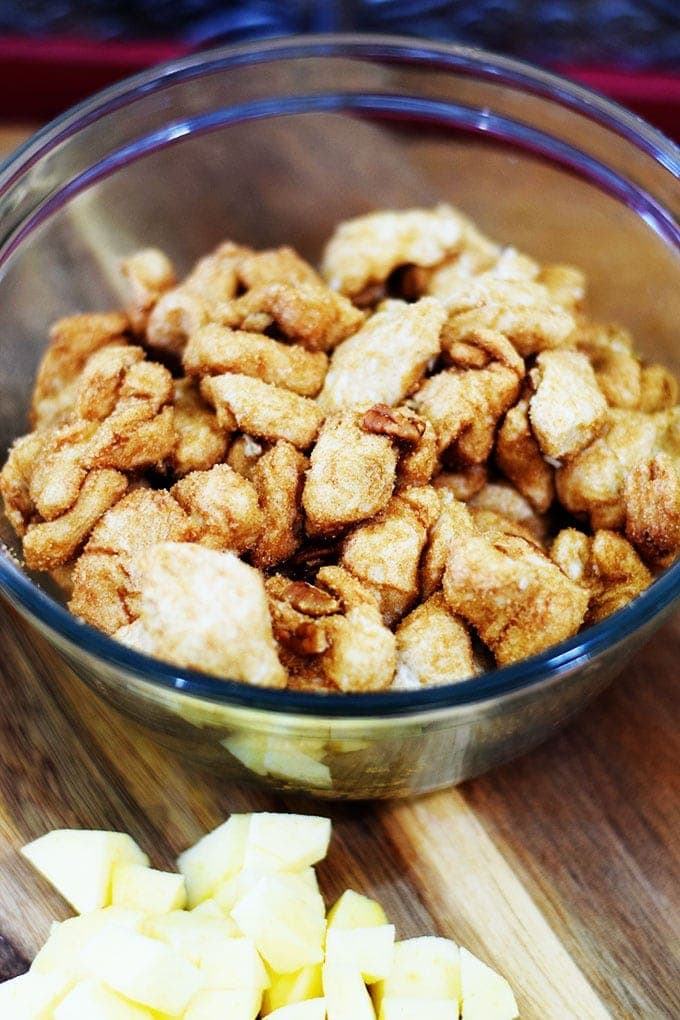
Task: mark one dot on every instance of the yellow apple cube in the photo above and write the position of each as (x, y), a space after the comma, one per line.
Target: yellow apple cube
(346, 994)
(215, 857)
(142, 969)
(233, 963)
(423, 968)
(32, 996)
(286, 919)
(353, 910)
(189, 934)
(369, 950)
(288, 989)
(282, 842)
(485, 994)
(312, 1009)
(235, 888)
(92, 1000)
(139, 888)
(224, 1004)
(209, 908)
(62, 950)
(418, 1009)
(287, 761)
(80, 863)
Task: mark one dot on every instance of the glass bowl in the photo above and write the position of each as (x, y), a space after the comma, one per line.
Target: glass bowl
(274, 143)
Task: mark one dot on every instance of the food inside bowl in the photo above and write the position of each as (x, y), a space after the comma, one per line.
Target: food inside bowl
(421, 462)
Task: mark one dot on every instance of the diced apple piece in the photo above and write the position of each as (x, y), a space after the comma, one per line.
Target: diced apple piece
(235, 888)
(32, 996)
(142, 969)
(485, 994)
(61, 952)
(353, 910)
(224, 1004)
(312, 1009)
(249, 749)
(418, 1009)
(209, 908)
(233, 963)
(286, 919)
(289, 762)
(370, 950)
(215, 857)
(79, 863)
(95, 1001)
(423, 968)
(346, 995)
(281, 842)
(139, 888)
(288, 989)
(190, 934)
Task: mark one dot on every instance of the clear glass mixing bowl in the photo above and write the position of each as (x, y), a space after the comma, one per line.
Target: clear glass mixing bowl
(275, 143)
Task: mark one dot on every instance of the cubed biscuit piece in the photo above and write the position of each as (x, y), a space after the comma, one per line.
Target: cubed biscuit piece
(464, 407)
(386, 359)
(223, 508)
(243, 454)
(463, 484)
(362, 654)
(351, 476)
(658, 389)
(568, 408)
(565, 284)
(592, 483)
(216, 349)
(99, 385)
(278, 478)
(504, 499)
(433, 647)
(197, 300)
(55, 542)
(519, 457)
(263, 410)
(605, 563)
(523, 311)
(208, 610)
(518, 601)
(201, 441)
(385, 554)
(149, 274)
(652, 502)
(15, 481)
(365, 250)
(72, 341)
(617, 370)
(276, 265)
(453, 526)
(308, 313)
(106, 578)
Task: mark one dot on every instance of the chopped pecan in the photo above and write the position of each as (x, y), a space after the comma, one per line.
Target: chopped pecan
(386, 421)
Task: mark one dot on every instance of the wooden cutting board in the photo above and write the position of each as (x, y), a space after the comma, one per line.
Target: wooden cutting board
(562, 869)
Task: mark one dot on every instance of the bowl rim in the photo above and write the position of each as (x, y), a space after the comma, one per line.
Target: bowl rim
(76, 635)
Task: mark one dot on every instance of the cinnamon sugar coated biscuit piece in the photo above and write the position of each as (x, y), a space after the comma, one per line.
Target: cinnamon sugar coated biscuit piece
(208, 610)
(433, 647)
(106, 578)
(262, 410)
(421, 461)
(351, 475)
(386, 359)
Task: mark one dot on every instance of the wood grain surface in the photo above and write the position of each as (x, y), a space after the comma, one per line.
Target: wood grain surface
(561, 869)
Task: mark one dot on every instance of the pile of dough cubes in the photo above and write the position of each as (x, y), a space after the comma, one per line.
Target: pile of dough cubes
(241, 932)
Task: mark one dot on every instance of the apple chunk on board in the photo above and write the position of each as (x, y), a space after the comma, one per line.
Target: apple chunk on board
(252, 940)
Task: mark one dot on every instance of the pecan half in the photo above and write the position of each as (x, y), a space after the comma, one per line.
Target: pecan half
(386, 421)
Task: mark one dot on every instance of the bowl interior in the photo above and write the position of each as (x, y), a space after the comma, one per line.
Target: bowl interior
(279, 152)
